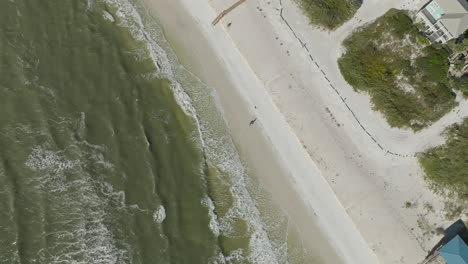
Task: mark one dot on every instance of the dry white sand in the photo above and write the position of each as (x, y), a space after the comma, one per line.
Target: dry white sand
(314, 134)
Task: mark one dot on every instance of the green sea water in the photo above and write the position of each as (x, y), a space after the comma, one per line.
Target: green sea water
(103, 156)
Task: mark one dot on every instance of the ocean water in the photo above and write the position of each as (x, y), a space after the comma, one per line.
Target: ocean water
(111, 152)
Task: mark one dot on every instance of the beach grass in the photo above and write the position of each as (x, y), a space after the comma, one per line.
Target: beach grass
(406, 76)
(447, 165)
(329, 14)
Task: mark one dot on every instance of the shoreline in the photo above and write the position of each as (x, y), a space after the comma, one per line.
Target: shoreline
(372, 185)
(287, 167)
(261, 68)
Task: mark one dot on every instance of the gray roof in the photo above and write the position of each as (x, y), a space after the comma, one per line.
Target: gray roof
(456, 24)
(456, 15)
(453, 6)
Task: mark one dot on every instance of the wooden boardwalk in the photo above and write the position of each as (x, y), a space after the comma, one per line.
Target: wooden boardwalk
(225, 12)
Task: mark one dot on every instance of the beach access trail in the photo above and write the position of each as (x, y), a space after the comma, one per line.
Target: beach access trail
(330, 160)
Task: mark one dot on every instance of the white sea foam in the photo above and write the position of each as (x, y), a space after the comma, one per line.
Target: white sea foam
(52, 164)
(236, 256)
(214, 225)
(131, 19)
(90, 4)
(222, 152)
(219, 149)
(159, 214)
(70, 188)
(43, 159)
(107, 16)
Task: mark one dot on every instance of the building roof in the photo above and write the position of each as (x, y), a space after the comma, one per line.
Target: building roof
(453, 14)
(455, 17)
(456, 24)
(455, 251)
(453, 6)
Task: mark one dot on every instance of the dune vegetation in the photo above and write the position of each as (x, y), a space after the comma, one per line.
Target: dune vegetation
(406, 76)
(329, 14)
(447, 165)
(409, 82)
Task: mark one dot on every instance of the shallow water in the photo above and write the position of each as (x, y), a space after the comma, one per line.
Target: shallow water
(105, 159)
(98, 161)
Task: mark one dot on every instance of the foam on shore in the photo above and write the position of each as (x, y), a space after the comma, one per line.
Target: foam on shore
(214, 137)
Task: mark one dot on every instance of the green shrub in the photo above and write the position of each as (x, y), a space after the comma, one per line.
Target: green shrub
(434, 64)
(447, 165)
(406, 78)
(329, 14)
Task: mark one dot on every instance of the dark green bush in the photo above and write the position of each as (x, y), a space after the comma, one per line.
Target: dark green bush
(447, 165)
(329, 14)
(434, 64)
(379, 60)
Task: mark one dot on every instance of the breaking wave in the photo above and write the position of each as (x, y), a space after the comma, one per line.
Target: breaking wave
(159, 215)
(62, 176)
(216, 141)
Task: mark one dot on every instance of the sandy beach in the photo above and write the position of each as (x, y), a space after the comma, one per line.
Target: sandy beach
(339, 170)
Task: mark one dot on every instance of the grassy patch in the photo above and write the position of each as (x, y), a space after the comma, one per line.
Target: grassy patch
(447, 165)
(329, 14)
(406, 77)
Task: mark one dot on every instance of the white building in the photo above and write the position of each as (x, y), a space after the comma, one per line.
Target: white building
(445, 19)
